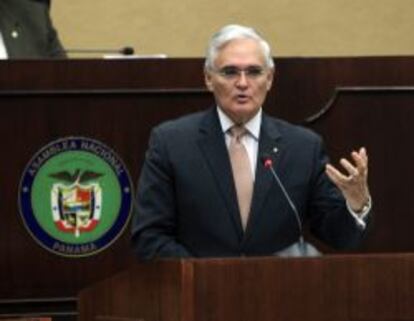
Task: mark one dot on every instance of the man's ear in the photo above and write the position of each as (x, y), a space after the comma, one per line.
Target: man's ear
(270, 79)
(208, 80)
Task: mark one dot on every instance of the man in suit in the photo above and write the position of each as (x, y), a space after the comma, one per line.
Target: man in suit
(203, 190)
(27, 32)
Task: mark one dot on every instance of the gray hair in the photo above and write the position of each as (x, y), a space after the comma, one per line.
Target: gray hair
(233, 32)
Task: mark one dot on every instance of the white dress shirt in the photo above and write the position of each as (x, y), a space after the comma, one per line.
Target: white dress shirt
(3, 50)
(250, 140)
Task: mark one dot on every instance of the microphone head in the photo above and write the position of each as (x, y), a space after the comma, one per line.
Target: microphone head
(127, 51)
(266, 160)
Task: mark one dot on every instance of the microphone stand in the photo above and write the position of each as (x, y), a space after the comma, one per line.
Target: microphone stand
(301, 248)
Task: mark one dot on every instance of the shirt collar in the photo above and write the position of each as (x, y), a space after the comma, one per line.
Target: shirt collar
(3, 50)
(252, 126)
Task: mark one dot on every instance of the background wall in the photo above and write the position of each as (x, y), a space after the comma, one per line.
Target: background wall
(181, 28)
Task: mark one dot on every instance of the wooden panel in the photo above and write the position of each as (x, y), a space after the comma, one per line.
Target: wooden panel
(384, 284)
(340, 288)
(272, 290)
(30, 120)
(380, 119)
(156, 291)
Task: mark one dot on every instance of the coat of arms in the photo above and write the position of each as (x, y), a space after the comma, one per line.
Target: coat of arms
(76, 201)
(75, 196)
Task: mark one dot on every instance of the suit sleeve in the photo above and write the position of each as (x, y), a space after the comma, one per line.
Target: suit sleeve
(54, 46)
(154, 225)
(330, 219)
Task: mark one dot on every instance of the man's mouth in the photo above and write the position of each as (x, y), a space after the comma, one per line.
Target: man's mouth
(241, 98)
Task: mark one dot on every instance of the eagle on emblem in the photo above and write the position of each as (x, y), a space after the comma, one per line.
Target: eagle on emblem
(83, 177)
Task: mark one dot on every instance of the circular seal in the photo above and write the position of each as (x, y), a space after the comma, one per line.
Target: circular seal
(75, 196)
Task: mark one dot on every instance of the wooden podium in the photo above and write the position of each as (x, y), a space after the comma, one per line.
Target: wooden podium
(352, 102)
(331, 288)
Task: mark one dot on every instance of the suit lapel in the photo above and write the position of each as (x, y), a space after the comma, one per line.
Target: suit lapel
(213, 147)
(269, 143)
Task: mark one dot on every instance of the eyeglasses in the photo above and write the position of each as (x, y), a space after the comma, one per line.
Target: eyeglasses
(232, 72)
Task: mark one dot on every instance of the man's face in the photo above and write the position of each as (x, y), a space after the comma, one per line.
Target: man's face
(240, 94)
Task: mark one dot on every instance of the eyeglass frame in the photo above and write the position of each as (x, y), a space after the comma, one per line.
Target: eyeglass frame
(232, 72)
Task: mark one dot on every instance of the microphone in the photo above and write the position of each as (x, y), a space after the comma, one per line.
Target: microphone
(126, 51)
(301, 248)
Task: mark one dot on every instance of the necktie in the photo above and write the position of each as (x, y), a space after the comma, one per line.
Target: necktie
(242, 173)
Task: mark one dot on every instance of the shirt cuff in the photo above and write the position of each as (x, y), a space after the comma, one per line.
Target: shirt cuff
(360, 217)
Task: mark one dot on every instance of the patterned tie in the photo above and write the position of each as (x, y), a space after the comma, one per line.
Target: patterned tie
(242, 173)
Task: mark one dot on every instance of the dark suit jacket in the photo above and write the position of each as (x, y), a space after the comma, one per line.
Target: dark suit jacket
(186, 199)
(28, 31)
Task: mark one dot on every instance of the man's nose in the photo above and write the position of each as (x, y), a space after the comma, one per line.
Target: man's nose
(242, 79)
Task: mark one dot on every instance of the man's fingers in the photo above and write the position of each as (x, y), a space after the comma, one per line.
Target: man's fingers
(363, 154)
(361, 160)
(351, 169)
(336, 176)
(356, 173)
